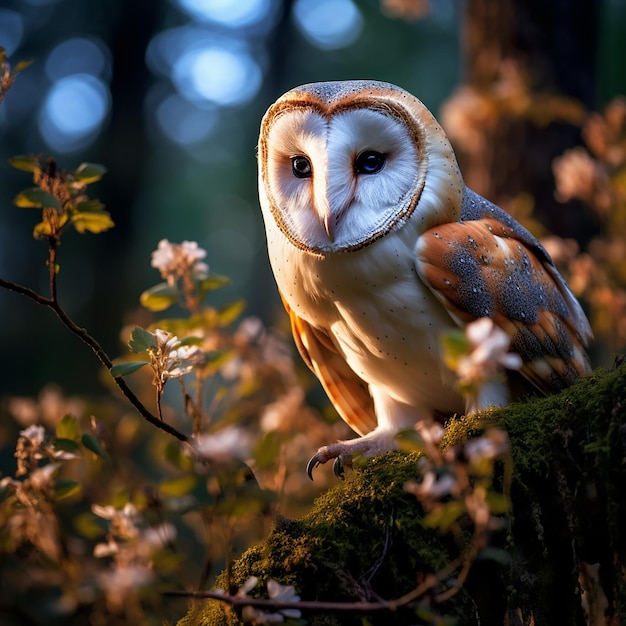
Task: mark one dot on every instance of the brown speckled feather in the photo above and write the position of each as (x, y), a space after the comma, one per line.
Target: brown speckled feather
(487, 265)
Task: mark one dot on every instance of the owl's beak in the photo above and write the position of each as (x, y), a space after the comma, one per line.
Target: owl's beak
(326, 215)
(331, 202)
(330, 223)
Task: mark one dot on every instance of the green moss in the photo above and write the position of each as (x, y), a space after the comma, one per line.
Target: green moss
(363, 535)
(366, 534)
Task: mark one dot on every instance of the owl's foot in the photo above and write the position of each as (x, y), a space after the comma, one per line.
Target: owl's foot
(376, 442)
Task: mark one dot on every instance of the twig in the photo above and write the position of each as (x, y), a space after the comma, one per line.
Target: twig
(315, 605)
(85, 337)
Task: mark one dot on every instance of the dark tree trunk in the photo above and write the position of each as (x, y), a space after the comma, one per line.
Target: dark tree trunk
(549, 50)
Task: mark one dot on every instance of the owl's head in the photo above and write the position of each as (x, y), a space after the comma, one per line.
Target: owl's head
(343, 163)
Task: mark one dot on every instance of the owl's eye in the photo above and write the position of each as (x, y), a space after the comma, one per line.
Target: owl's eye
(369, 162)
(301, 167)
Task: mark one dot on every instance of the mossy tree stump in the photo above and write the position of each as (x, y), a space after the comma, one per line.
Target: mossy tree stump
(566, 536)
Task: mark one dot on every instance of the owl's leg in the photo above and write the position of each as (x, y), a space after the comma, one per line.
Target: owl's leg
(378, 441)
(393, 416)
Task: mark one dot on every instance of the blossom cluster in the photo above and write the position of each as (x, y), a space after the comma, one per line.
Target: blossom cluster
(177, 261)
(170, 358)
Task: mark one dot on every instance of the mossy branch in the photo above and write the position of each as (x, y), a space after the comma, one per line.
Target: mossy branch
(564, 538)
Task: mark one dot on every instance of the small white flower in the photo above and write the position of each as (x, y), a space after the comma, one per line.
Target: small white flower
(171, 359)
(123, 522)
(232, 442)
(489, 447)
(64, 455)
(489, 353)
(277, 592)
(282, 409)
(7, 482)
(191, 251)
(105, 512)
(35, 435)
(432, 487)
(177, 260)
(182, 360)
(122, 582)
(159, 536)
(42, 478)
(283, 593)
(102, 550)
(166, 342)
(163, 256)
(248, 586)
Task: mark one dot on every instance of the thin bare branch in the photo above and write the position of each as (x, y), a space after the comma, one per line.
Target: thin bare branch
(431, 581)
(103, 357)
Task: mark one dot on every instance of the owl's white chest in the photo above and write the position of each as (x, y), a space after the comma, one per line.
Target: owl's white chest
(382, 318)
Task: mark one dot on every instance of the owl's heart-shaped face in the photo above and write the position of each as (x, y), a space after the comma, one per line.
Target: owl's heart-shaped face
(338, 180)
(341, 168)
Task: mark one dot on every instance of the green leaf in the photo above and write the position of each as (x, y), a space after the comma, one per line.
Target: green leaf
(42, 230)
(174, 454)
(444, 516)
(92, 221)
(228, 314)
(159, 297)
(89, 525)
(455, 345)
(191, 341)
(66, 445)
(179, 486)
(68, 428)
(35, 198)
(66, 488)
(88, 173)
(141, 340)
(22, 65)
(92, 444)
(213, 281)
(267, 451)
(498, 503)
(129, 367)
(91, 206)
(24, 162)
(410, 440)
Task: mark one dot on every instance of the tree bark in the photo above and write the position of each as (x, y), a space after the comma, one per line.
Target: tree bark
(532, 66)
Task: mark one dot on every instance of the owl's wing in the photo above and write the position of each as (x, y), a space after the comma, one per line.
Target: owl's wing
(488, 265)
(348, 393)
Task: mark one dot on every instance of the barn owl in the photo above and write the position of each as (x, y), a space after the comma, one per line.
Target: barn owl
(378, 247)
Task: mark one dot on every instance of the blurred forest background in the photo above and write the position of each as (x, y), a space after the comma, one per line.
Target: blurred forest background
(168, 95)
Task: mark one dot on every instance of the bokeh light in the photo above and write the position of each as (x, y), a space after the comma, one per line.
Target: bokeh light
(329, 24)
(205, 67)
(73, 112)
(11, 30)
(225, 76)
(78, 56)
(231, 13)
(183, 122)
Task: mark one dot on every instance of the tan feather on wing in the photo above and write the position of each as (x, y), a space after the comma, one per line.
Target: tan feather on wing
(348, 393)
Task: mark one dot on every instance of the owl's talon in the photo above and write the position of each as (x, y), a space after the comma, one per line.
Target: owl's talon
(338, 468)
(314, 461)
